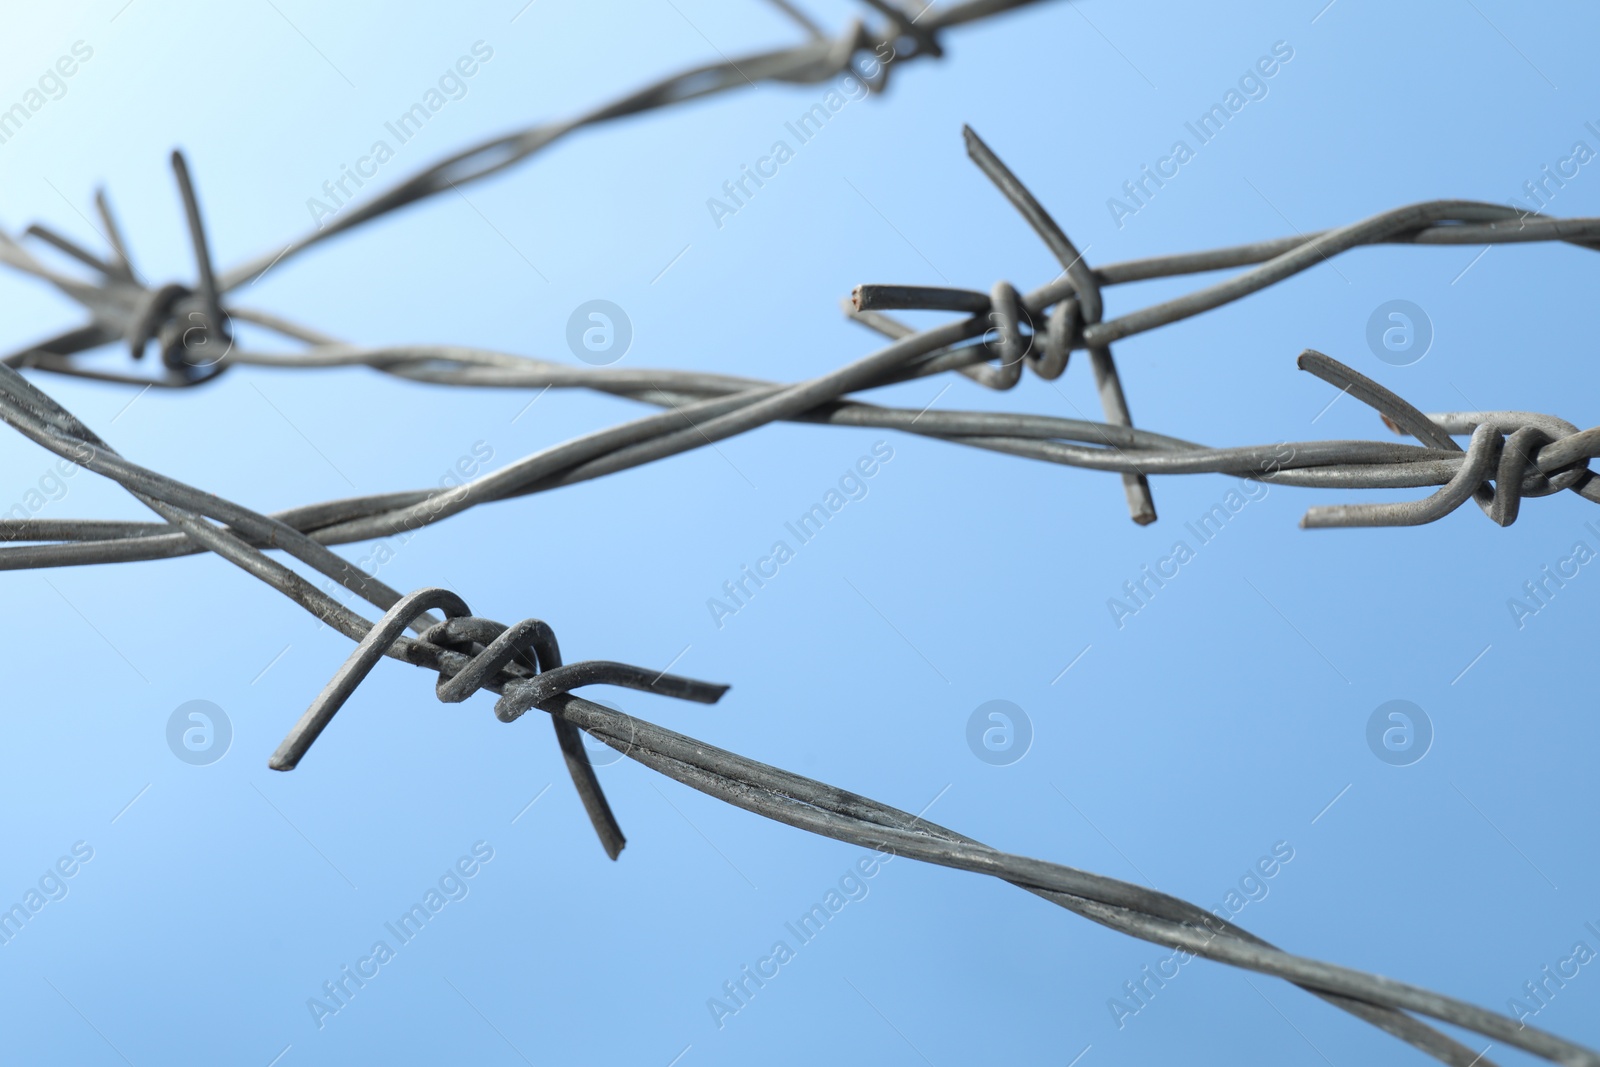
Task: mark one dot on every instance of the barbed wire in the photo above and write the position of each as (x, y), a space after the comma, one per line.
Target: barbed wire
(469, 653)
(124, 308)
(1510, 455)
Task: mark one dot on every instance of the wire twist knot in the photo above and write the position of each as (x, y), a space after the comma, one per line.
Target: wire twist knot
(521, 662)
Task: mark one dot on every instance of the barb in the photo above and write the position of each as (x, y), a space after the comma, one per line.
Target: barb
(491, 648)
(490, 662)
(1086, 309)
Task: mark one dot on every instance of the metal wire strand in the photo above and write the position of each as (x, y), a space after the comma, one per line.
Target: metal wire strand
(714, 406)
(802, 802)
(706, 408)
(1510, 455)
(1559, 463)
(39, 417)
(814, 60)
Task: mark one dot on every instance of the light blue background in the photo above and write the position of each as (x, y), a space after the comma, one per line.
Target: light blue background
(1218, 721)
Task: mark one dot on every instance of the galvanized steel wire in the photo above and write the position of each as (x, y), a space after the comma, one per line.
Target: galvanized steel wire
(483, 653)
(992, 344)
(1510, 456)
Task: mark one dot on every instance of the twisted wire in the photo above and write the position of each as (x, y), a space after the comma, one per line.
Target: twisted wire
(492, 649)
(468, 652)
(991, 345)
(1510, 455)
(122, 299)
